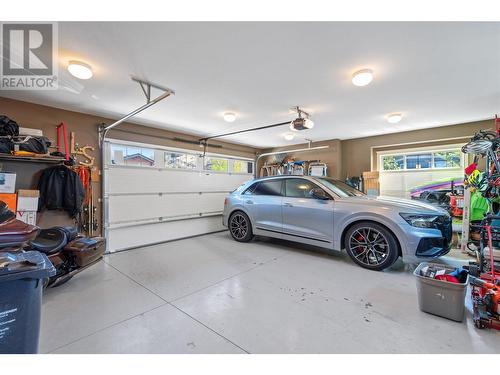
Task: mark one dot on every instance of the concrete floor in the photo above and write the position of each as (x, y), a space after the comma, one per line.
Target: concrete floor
(210, 294)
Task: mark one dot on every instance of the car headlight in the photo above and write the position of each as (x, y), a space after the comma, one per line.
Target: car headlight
(420, 220)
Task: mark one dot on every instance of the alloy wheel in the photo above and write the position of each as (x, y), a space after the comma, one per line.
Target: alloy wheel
(369, 246)
(238, 226)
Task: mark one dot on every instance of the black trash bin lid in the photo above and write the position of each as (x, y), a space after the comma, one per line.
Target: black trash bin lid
(25, 265)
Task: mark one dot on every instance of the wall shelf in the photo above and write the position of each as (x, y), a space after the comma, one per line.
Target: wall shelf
(33, 159)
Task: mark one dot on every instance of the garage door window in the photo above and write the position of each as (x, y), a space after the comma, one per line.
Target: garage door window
(418, 161)
(130, 155)
(179, 160)
(447, 159)
(427, 160)
(216, 164)
(242, 166)
(393, 162)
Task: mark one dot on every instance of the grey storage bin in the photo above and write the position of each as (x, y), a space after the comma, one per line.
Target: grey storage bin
(439, 297)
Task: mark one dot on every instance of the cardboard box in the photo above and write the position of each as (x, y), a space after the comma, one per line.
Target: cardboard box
(10, 200)
(7, 182)
(27, 200)
(29, 217)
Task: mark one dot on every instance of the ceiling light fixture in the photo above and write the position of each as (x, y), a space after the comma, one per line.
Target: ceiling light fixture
(303, 122)
(229, 117)
(362, 77)
(80, 69)
(289, 136)
(394, 118)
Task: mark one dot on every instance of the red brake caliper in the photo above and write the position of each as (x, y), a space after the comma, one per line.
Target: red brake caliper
(360, 238)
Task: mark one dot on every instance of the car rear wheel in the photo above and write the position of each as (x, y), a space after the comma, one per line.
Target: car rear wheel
(240, 226)
(371, 246)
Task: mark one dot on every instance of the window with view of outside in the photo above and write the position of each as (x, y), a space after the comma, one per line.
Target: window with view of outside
(393, 162)
(428, 160)
(242, 166)
(179, 160)
(447, 159)
(130, 155)
(418, 161)
(216, 164)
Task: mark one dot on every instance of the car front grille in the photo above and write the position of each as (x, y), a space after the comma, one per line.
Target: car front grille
(443, 223)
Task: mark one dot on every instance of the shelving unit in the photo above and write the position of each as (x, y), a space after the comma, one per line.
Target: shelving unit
(33, 159)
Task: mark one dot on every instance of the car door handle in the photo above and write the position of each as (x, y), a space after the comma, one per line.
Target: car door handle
(249, 202)
(286, 204)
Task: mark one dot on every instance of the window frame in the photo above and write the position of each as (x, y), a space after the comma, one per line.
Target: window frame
(423, 151)
(159, 157)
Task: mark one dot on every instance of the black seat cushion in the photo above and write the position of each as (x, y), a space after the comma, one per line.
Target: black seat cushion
(50, 241)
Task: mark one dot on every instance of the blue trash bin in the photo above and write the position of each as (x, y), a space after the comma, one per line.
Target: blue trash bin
(22, 276)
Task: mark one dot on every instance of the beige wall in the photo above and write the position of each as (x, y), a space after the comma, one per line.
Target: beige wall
(85, 127)
(357, 153)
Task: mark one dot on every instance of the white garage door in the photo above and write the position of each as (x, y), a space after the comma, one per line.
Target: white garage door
(401, 172)
(155, 194)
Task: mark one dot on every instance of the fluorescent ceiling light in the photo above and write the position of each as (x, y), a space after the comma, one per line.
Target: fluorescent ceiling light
(362, 77)
(394, 118)
(289, 136)
(229, 117)
(80, 69)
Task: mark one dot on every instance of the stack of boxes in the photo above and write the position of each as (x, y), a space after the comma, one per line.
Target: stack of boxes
(24, 203)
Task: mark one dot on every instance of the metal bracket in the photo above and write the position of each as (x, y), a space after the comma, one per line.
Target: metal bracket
(146, 89)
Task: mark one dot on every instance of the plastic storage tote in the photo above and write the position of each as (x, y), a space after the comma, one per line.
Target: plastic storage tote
(21, 283)
(439, 297)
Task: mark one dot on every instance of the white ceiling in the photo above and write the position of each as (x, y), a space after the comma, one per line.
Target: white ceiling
(434, 73)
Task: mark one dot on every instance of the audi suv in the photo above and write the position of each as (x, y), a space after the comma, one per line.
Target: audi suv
(321, 211)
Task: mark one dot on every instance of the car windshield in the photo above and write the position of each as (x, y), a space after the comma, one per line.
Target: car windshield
(340, 188)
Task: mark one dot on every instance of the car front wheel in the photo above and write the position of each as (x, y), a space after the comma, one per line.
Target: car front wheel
(240, 226)
(371, 246)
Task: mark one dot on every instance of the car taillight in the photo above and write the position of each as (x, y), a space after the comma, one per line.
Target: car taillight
(225, 201)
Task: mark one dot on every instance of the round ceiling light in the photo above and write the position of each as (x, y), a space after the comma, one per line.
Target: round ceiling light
(229, 117)
(362, 77)
(394, 118)
(289, 136)
(80, 69)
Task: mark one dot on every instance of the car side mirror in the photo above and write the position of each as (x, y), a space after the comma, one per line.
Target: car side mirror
(318, 193)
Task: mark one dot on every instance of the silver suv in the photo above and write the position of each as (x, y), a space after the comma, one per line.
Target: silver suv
(375, 231)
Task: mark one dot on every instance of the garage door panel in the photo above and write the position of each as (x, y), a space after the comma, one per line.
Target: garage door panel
(146, 205)
(124, 208)
(130, 237)
(399, 184)
(145, 180)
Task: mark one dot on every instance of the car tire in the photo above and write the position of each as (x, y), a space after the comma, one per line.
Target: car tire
(240, 226)
(371, 246)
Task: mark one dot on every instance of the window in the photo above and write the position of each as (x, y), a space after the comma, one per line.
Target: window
(298, 188)
(340, 188)
(428, 160)
(216, 164)
(131, 155)
(179, 160)
(270, 187)
(418, 161)
(447, 159)
(242, 166)
(393, 162)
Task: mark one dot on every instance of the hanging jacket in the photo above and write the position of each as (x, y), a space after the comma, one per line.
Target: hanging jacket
(61, 189)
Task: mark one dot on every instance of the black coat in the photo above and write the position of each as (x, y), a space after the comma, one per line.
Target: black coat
(61, 189)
